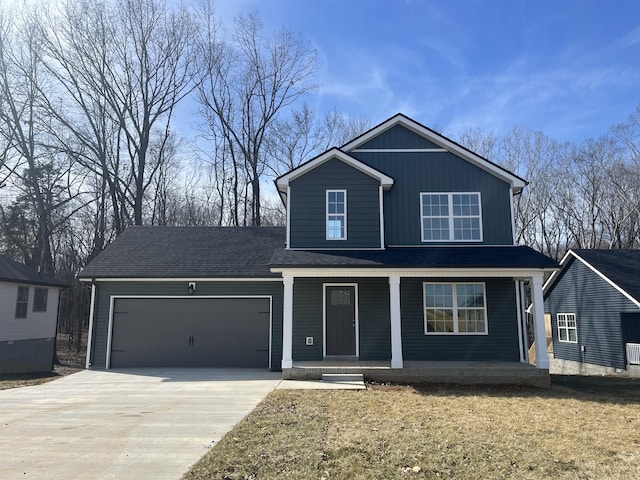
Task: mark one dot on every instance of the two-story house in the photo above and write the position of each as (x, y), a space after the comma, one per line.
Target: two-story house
(398, 257)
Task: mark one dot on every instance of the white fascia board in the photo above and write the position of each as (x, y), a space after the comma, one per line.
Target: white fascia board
(284, 180)
(600, 274)
(410, 272)
(516, 183)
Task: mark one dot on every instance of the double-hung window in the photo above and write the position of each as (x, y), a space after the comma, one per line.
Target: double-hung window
(336, 214)
(451, 217)
(22, 302)
(40, 299)
(567, 327)
(455, 309)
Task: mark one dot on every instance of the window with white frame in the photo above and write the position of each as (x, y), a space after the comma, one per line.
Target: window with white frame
(336, 214)
(451, 217)
(22, 302)
(455, 308)
(567, 327)
(40, 296)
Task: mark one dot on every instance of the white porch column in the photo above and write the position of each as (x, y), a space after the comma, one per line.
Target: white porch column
(287, 322)
(542, 359)
(396, 330)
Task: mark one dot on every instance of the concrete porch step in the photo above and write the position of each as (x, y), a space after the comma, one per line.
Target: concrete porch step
(343, 377)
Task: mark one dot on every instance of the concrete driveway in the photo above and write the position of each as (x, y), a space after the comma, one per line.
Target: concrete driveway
(133, 424)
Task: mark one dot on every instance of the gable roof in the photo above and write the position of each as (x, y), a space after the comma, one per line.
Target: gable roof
(619, 268)
(283, 181)
(12, 271)
(516, 182)
(188, 252)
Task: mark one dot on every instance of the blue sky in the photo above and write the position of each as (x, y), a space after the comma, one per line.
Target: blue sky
(570, 68)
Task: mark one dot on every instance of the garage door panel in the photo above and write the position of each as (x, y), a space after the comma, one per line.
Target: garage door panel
(191, 332)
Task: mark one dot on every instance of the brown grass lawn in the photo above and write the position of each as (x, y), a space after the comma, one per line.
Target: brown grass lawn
(579, 429)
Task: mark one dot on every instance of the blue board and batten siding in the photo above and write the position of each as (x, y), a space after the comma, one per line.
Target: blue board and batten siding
(375, 328)
(416, 172)
(308, 215)
(105, 290)
(437, 172)
(501, 343)
(597, 306)
(373, 317)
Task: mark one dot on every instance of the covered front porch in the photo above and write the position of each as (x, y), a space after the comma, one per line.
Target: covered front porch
(456, 372)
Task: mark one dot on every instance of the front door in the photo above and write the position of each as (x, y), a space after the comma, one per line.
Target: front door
(340, 309)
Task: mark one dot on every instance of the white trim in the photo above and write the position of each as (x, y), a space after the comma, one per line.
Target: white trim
(409, 272)
(551, 279)
(87, 362)
(381, 202)
(288, 226)
(398, 150)
(566, 327)
(344, 214)
(287, 322)
(395, 314)
(451, 217)
(513, 217)
(454, 308)
(539, 331)
(283, 181)
(399, 119)
(181, 279)
(324, 315)
(113, 298)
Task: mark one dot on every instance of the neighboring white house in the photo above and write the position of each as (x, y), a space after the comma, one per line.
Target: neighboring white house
(28, 318)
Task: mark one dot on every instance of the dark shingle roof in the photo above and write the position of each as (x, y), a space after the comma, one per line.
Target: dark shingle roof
(418, 257)
(12, 271)
(188, 252)
(622, 267)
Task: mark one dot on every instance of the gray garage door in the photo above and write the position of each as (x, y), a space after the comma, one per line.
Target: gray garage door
(190, 332)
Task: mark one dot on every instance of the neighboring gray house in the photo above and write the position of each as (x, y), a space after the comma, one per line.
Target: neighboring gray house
(28, 318)
(594, 304)
(398, 250)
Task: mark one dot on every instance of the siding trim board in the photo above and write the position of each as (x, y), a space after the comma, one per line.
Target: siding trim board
(399, 150)
(183, 279)
(113, 298)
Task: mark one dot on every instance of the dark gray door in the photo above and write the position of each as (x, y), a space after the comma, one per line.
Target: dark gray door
(341, 320)
(190, 332)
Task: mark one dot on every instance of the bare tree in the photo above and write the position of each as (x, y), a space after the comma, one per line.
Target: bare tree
(250, 79)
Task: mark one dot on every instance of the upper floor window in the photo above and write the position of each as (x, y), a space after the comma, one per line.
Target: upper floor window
(40, 299)
(567, 327)
(451, 217)
(336, 214)
(22, 301)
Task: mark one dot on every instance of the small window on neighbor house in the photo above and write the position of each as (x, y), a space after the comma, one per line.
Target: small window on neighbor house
(22, 302)
(451, 217)
(336, 214)
(40, 299)
(567, 327)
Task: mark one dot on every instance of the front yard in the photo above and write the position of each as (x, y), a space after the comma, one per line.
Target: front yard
(581, 428)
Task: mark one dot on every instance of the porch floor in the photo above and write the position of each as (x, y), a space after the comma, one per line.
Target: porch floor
(459, 372)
